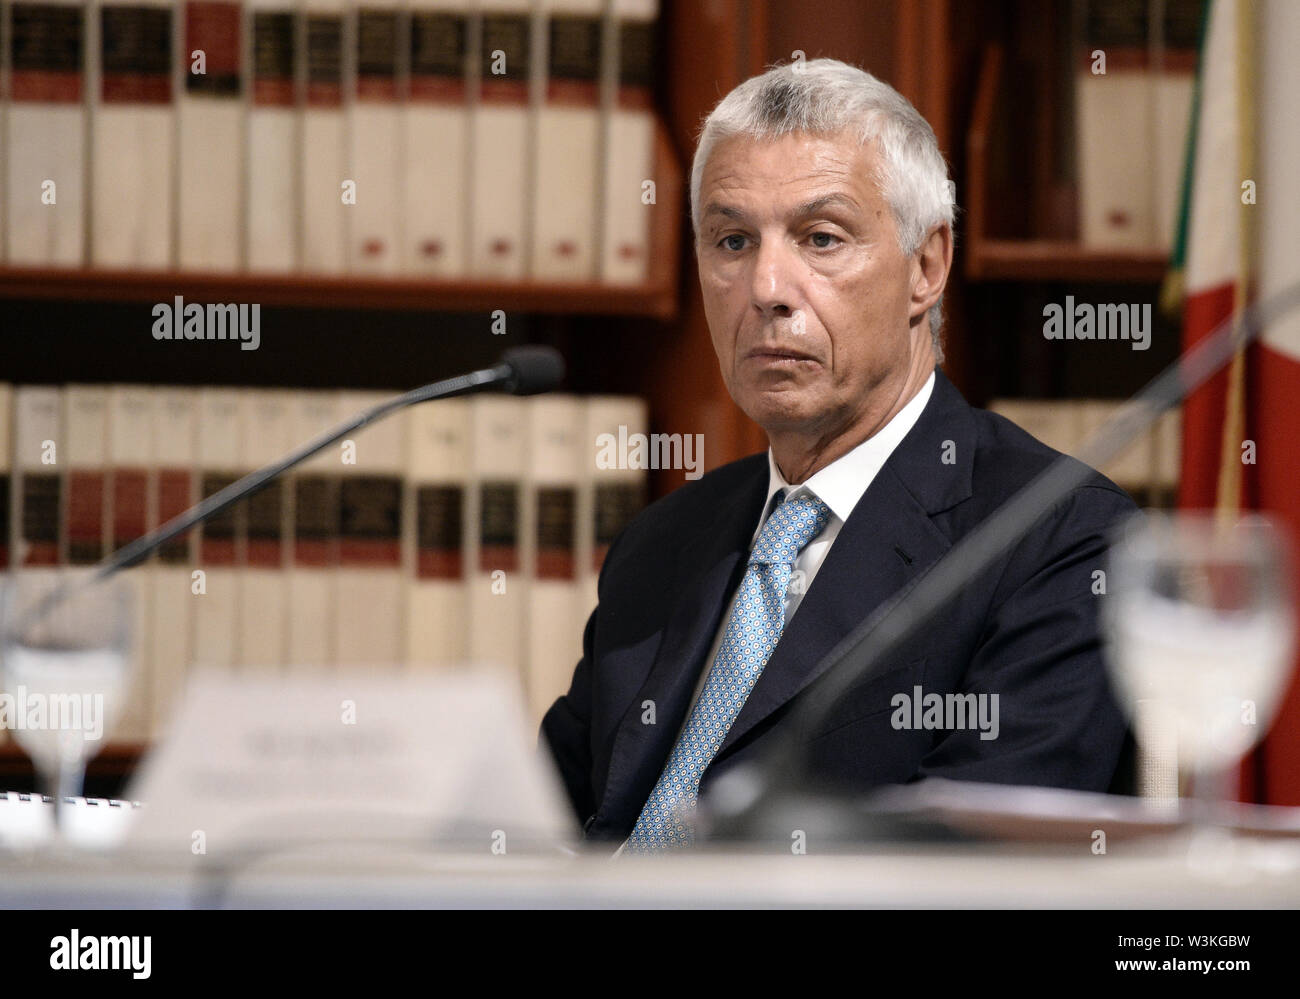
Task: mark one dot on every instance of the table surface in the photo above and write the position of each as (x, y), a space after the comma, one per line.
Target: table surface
(1165, 873)
(92, 868)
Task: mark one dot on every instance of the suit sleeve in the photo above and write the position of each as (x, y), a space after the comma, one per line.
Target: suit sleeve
(566, 730)
(1058, 723)
(566, 727)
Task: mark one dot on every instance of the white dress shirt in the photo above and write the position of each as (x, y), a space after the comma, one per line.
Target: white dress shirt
(839, 485)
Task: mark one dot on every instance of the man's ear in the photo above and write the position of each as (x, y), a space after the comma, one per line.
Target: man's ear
(930, 266)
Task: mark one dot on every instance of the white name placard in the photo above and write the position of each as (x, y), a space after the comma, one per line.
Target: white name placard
(259, 762)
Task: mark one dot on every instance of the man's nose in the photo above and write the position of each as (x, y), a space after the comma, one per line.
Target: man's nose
(773, 287)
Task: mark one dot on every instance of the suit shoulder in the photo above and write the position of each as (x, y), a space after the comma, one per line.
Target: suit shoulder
(1009, 458)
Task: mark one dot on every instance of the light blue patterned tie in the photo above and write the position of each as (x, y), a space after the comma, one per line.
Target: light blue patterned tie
(753, 630)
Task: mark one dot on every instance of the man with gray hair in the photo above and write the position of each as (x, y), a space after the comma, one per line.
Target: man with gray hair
(823, 223)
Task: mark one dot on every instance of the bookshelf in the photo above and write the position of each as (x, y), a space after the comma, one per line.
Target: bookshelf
(651, 340)
(962, 72)
(656, 298)
(991, 258)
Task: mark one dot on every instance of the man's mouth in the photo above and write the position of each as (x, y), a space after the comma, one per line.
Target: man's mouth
(778, 354)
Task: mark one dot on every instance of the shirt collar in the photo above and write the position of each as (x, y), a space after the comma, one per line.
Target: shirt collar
(841, 483)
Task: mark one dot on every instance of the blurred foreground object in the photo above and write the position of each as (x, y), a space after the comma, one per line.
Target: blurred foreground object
(1200, 620)
(64, 669)
(256, 765)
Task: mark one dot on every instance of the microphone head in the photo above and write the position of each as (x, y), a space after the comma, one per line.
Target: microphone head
(532, 370)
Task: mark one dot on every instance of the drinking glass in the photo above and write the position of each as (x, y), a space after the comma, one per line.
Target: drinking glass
(1200, 621)
(64, 644)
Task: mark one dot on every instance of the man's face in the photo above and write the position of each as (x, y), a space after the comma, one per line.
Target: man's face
(807, 294)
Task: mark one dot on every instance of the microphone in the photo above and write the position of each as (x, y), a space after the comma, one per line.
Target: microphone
(521, 371)
(533, 370)
(756, 798)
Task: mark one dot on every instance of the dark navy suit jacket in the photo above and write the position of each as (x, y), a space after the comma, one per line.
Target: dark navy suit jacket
(1026, 631)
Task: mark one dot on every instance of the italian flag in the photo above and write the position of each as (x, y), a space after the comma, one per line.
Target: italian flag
(1239, 240)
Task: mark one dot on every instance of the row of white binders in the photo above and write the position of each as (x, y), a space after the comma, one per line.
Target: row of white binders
(1133, 83)
(462, 531)
(485, 139)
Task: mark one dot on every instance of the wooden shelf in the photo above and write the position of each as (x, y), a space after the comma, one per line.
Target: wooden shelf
(656, 298)
(343, 292)
(990, 258)
(1062, 260)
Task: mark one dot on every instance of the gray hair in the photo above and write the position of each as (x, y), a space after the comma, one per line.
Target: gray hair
(825, 97)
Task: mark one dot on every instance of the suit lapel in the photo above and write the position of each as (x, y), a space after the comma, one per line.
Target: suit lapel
(709, 566)
(889, 540)
(862, 570)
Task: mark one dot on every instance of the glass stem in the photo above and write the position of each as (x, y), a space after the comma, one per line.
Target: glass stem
(1212, 790)
(65, 782)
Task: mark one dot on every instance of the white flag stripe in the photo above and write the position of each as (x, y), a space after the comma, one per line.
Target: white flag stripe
(1214, 234)
(1278, 187)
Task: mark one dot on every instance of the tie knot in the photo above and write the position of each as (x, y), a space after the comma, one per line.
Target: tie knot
(792, 525)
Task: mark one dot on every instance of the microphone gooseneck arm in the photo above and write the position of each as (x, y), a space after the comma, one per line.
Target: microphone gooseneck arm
(140, 549)
(521, 371)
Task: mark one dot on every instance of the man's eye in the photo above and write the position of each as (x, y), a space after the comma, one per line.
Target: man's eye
(733, 242)
(824, 240)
